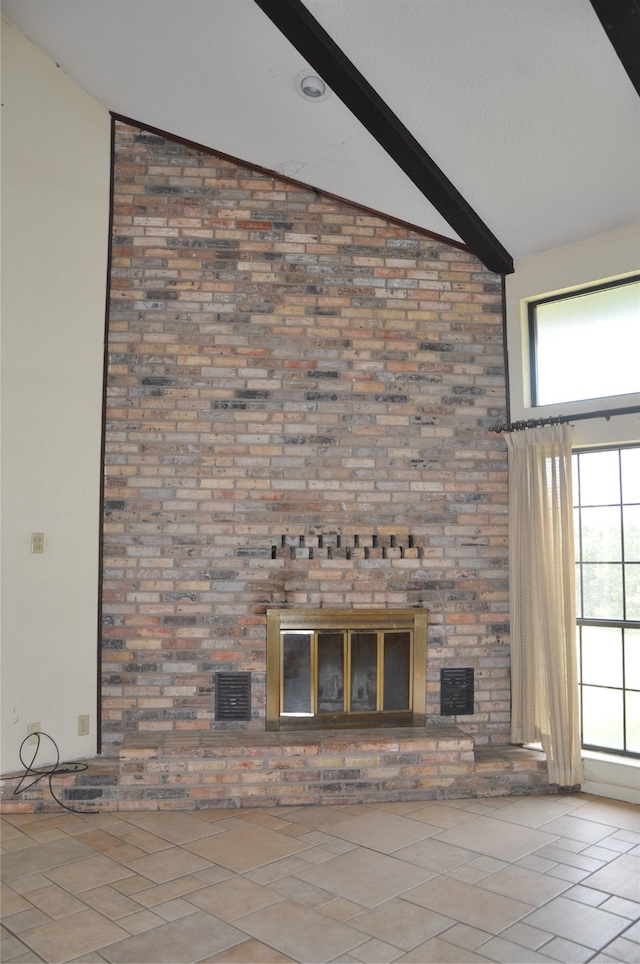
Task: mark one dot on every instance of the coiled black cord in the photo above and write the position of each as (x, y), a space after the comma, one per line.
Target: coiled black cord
(39, 773)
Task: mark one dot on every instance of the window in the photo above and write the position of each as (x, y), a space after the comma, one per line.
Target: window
(606, 488)
(585, 344)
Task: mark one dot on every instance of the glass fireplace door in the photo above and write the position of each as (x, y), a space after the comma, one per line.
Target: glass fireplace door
(369, 671)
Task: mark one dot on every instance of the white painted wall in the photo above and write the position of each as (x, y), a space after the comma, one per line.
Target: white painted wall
(55, 207)
(601, 258)
(606, 256)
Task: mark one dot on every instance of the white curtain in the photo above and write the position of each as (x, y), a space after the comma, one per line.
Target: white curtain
(543, 624)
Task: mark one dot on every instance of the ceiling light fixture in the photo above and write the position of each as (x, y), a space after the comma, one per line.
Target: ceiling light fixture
(311, 87)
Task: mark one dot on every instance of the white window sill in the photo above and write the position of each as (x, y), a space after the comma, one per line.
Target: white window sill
(609, 775)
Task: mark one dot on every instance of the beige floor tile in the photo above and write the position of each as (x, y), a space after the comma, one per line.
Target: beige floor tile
(110, 902)
(399, 807)
(335, 870)
(55, 902)
(473, 905)
(587, 895)
(566, 918)
(624, 950)
(233, 898)
(12, 949)
(438, 951)
(300, 932)
(577, 828)
(36, 859)
(633, 934)
(375, 952)
(562, 856)
(87, 874)
(213, 874)
(341, 909)
(58, 942)
(403, 924)
(177, 827)
(276, 870)
(533, 812)
(249, 952)
(269, 820)
(93, 958)
(133, 884)
(174, 909)
(11, 902)
(620, 877)
(435, 855)
(466, 872)
(22, 885)
(48, 835)
(178, 887)
(18, 843)
(99, 840)
(497, 949)
(571, 874)
(182, 941)
(464, 936)
(525, 935)
(496, 838)
(141, 921)
(384, 832)
(25, 920)
(612, 812)
(315, 855)
(302, 891)
(441, 816)
(167, 864)
(625, 908)
(128, 852)
(143, 841)
(316, 838)
(318, 817)
(365, 877)
(246, 848)
(8, 831)
(526, 885)
(558, 949)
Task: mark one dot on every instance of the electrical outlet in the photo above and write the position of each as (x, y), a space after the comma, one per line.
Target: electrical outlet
(83, 724)
(33, 728)
(37, 542)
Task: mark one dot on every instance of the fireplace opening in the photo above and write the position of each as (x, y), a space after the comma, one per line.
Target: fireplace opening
(346, 668)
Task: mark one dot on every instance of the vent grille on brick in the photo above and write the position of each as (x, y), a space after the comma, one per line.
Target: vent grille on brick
(456, 692)
(233, 696)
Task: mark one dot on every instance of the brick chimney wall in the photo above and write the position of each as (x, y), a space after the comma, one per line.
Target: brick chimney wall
(288, 372)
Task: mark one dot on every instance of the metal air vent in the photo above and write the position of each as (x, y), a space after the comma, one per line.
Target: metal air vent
(456, 692)
(233, 696)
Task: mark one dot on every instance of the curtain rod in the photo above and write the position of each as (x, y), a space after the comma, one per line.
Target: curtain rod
(560, 419)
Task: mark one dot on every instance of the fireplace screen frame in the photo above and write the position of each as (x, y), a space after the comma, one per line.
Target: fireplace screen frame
(313, 622)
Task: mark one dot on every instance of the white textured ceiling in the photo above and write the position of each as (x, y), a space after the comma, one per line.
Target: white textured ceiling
(522, 103)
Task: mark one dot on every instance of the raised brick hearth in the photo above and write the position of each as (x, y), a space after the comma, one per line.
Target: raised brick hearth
(269, 769)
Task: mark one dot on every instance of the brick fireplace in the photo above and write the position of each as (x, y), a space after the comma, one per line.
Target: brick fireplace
(298, 403)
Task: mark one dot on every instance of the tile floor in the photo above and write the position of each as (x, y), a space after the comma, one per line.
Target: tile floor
(544, 878)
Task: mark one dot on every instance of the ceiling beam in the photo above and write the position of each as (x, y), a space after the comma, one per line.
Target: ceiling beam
(621, 21)
(316, 46)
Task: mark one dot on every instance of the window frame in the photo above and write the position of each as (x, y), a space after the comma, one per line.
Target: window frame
(532, 331)
(583, 621)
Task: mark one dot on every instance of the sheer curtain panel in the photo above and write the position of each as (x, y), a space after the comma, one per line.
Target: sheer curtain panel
(544, 679)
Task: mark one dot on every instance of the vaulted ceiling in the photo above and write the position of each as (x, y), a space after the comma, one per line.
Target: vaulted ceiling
(512, 125)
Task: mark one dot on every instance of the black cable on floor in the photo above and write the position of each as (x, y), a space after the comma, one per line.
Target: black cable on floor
(48, 772)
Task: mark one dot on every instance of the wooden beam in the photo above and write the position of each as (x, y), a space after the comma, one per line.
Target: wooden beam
(621, 22)
(316, 46)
